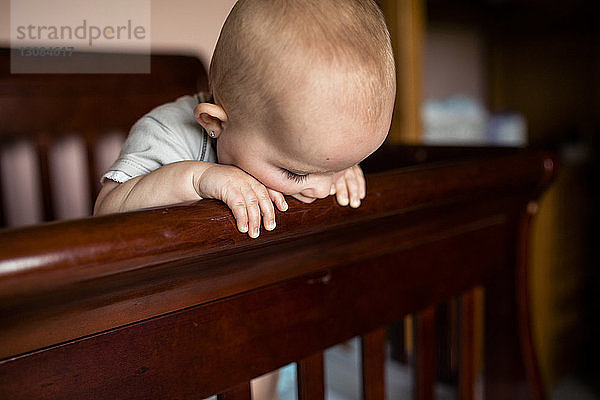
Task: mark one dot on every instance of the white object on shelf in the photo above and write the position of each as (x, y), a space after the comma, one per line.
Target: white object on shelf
(460, 120)
(455, 120)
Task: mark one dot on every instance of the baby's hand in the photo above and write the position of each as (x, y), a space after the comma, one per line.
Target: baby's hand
(244, 195)
(349, 187)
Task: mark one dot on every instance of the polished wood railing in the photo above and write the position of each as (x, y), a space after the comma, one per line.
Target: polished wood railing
(173, 302)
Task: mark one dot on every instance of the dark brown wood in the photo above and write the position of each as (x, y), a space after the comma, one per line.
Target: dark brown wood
(42, 148)
(466, 381)
(3, 213)
(397, 335)
(424, 370)
(285, 321)
(424, 186)
(505, 351)
(175, 303)
(82, 258)
(93, 181)
(42, 108)
(239, 392)
(511, 369)
(311, 377)
(504, 371)
(446, 342)
(72, 103)
(524, 318)
(373, 364)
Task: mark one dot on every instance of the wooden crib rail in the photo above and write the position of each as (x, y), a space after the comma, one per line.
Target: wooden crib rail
(66, 103)
(46, 108)
(173, 302)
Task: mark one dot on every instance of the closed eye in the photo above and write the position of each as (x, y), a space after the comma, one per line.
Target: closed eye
(298, 178)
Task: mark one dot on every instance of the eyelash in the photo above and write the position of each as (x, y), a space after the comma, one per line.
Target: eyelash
(295, 177)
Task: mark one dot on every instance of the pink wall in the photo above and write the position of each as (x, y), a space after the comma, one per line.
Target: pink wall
(188, 26)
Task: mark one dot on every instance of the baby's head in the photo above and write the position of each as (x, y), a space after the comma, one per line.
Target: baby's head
(303, 89)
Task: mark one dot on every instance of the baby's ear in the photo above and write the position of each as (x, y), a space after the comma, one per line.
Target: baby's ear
(210, 116)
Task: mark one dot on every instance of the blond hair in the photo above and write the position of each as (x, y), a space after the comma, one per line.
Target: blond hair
(263, 42)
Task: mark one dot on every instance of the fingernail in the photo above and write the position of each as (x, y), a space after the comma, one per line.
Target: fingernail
(284, 206)
(355, 203)
(344, 201)
(244, 228)
(332, 191)
(254, 234)
(270, 226)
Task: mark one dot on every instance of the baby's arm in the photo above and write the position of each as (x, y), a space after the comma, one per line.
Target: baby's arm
(169, 184)
(191, 180)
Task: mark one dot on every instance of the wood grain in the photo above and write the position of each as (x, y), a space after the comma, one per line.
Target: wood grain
(466, 382)
(173, 302)
(68, 103)
(373, 357)
(239, 392)
(424, 370)
(311, 377)
(41, 109)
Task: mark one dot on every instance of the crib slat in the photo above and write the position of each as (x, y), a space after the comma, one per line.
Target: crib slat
(397, 337)
(3, 220)
(42, 144)
(91, 139)
(424, 375)
(373, 364)
(446, 337)
(311, 378)
(466, 373)
(239, 392)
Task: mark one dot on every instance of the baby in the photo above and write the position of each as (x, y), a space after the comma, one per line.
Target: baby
(302, 91)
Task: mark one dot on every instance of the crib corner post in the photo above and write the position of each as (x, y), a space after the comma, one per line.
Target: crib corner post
(511, 370)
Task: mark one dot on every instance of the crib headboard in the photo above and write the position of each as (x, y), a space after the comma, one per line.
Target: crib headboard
(41, 109)
(173, 302)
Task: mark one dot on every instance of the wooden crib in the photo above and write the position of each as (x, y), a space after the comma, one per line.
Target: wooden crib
(43, 111)
(174, 303)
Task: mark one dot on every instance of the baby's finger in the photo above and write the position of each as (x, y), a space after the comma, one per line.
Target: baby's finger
(341, 191)
(238, 207)
(266, 207)
(353, 187)
(253, 210)
(362, 182)
(278, 199)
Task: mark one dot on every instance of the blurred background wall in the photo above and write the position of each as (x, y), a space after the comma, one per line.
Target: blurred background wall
(177, 26)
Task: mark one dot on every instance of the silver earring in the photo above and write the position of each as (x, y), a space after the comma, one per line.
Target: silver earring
(212, 134)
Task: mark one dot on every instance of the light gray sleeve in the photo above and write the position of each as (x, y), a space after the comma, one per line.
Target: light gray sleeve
(167, 134)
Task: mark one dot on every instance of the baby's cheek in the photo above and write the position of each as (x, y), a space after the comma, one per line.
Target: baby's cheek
(287, 188)
(304, 199)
